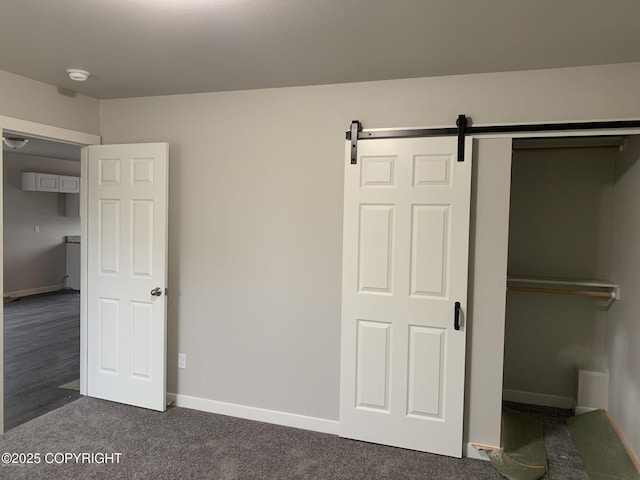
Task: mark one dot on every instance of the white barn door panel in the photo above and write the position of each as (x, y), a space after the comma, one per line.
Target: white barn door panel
(405, 266)
(127, 192)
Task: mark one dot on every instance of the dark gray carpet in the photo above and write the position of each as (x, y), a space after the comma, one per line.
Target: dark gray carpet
(188, 444)
(41, 352)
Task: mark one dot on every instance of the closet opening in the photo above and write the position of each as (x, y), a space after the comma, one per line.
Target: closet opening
(569, 207)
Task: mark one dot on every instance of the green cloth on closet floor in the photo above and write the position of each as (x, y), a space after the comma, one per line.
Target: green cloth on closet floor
(74, 385)
(602, 452)
(522, 456)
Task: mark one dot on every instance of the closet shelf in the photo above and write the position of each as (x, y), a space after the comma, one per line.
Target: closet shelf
(564, 286)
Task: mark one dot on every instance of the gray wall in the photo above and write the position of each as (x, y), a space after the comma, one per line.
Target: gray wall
(28, 99)
(623, 332)
(33, 260)
(560, 226)
(256, 219)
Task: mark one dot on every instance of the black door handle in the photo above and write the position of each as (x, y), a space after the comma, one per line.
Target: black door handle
(456, 316)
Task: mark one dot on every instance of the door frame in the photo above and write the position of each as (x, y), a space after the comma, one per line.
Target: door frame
(63, 135)
(474, 448)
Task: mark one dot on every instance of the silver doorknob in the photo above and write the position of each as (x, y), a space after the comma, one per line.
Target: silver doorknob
(156, 292)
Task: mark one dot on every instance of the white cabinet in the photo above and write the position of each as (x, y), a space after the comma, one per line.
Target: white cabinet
(72, 205)
(68, 184)
(39, 182)
(46, 182)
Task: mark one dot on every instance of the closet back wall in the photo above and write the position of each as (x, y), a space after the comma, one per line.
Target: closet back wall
(560, 226)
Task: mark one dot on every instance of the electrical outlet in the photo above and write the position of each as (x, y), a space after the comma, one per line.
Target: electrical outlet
(182, 360)
(36, 228)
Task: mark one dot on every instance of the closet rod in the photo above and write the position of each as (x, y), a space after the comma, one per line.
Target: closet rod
(583, 293)
(561, 149)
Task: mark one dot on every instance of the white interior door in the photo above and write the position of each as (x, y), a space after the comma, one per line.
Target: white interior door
(127, 193)
(405, 265)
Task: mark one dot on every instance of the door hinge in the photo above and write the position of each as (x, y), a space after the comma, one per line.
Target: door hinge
(166, 292)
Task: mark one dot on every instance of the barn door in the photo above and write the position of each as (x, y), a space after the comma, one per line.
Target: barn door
(127, 273)
(404, 293)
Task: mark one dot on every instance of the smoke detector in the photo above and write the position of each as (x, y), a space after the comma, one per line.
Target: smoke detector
(78, 75)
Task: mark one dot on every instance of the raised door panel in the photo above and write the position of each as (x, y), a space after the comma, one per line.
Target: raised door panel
(109, 172)
(108, 236)
(109, 335)
(141, 341)
(429, 250)
(375, 259)
(142, 245)
(426, 375)
(373, 358)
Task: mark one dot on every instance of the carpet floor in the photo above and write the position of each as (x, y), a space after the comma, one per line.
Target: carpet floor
(188, 444)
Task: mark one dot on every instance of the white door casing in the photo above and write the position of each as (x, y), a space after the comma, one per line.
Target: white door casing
(127, 213)
(405, 264)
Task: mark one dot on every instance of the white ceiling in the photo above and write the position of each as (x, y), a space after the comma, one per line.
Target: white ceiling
(156, 47)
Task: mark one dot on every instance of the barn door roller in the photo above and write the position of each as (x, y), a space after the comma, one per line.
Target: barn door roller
(462, 132)
(465, 128)
(356, 128)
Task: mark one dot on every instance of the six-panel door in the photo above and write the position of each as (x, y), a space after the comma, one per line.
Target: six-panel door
(405, 257)
(127, 260)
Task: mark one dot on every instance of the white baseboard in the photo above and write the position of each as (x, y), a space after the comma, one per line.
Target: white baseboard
(627, 447)
(34, 291)
(538, 399)
(580, 410)
(315, 424)
(258, 414)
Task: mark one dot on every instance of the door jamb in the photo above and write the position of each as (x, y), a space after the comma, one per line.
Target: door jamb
(541, 134)
(49, 132)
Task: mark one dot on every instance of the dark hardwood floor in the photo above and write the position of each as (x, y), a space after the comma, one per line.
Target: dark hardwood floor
(41, 353)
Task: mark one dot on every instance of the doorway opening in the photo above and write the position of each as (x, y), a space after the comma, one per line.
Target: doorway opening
(41, 257)
(568, 236)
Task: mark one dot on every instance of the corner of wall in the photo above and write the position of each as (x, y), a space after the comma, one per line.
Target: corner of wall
(623, 328)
